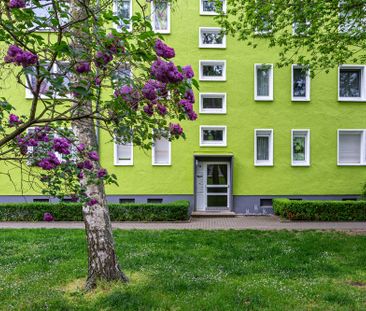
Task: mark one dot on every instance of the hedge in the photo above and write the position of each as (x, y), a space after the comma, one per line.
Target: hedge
(320, 210)
(174, 211)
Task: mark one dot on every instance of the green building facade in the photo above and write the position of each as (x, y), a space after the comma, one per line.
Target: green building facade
(262, 132)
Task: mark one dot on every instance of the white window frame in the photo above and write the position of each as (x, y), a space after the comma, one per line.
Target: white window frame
(362, 98)
(169, 155)
(122, 162)
(202, 12)
(268, 162)
(210, 143)
(297, 98)
(212, 111)
(29, 94)
(167, 31)
(270, 96)
(212, 62)
(362, 147)
(211, 46)
(306, 134)
(115, 5)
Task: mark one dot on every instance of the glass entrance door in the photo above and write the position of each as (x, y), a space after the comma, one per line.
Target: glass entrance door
(217, 185)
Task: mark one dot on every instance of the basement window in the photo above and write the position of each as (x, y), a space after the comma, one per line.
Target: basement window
(154, 201)
(126, 201)
(266, 202)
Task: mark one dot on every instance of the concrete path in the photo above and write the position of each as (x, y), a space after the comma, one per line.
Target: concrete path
(236, 223)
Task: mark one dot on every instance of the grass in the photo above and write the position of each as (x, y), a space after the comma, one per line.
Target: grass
(187, 270)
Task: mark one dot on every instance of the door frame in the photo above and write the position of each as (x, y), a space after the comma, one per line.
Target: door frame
(229, 158)
(228, 185)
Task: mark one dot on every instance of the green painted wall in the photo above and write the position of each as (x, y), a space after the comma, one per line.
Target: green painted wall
(323, 115)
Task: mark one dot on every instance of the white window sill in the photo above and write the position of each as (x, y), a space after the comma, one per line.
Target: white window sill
(213, 145)
(263, 164)
(163, 32)
(299, 99)
(212, 46)
(204, 13)
(212, 112)
(351, 99)
(300, 164)
(351, 164)
(263, 99)
(123, 164)
(218, 79)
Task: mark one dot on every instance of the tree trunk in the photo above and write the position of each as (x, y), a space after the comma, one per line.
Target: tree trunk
(102, 259)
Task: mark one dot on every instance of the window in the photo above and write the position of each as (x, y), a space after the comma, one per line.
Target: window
(160, 15)
(213, 136)
(266, 202)
(122, 75)
(352, 18)
(351, 147)
(263, 147)
(154, 201)
(214, 103)
(213, 70)
(351, 83)
(301, 24)
(123, 153)
(263, 82)
(208, 7)
(161, 152)
(349, 199)
(300, 83)
(44, 12)
(123, 9)
(210, 37)
(264, 17)
(59, 70)
(126, 201)
(300, 147)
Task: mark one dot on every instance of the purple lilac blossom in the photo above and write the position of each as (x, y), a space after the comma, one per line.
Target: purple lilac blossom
(88, 165)
(102, 59)
(162, 110)
(102, 172)
(48, 217)
(148, 109)
(189, 95)
(92, 202)
(152, 89)
(93, 155)
(166, 72)
(61, 145)
(80, 147)
(188, 72)
(16, 4)
(175, 129)
(83, 67)
(49, 163)
(14, 119)
(16, 55)
(163, 50)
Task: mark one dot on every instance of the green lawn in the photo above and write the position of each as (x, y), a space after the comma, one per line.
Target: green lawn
(187, 270)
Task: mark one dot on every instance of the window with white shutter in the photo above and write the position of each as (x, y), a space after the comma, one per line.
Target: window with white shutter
(161, 151)
(123, 153)
(352, 147)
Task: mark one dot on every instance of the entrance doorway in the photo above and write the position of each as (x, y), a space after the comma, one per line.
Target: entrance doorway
(213, 185)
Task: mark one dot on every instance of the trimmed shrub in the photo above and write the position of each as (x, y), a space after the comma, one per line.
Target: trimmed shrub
(320, 210)
(174, 211)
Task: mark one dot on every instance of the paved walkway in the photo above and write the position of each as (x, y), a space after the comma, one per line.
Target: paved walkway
(236, 223)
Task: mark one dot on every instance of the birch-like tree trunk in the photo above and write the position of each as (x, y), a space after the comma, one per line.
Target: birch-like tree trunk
(102, 260)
